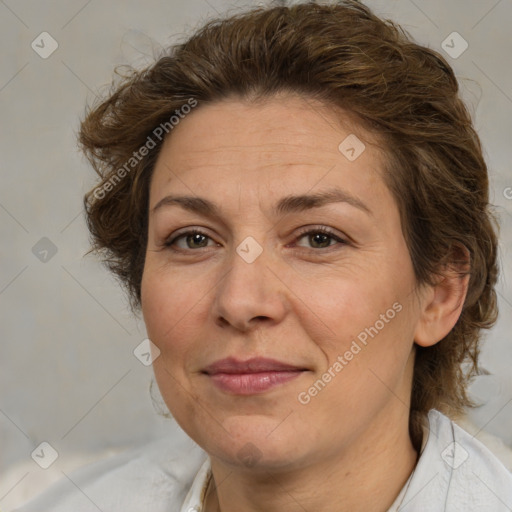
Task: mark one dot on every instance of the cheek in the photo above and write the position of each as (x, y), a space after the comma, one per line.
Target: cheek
(354, 302)
(164, 303)
(154, 302)
(176, 313)
(368, 319)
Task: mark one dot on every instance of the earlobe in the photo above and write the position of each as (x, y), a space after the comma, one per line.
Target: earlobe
(441, 306)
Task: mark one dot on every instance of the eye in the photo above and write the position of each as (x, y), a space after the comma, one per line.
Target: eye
(194, 239)
(321, 238)
(318, 238)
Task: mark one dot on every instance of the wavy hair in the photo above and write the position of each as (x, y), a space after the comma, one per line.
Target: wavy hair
(347, 57)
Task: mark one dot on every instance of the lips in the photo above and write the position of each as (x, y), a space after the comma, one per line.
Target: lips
(255, 365)
(253, 376)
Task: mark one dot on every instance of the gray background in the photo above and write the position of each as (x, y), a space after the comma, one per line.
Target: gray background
(67, 370)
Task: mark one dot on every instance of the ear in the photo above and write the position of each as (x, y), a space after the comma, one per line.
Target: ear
(441, 303)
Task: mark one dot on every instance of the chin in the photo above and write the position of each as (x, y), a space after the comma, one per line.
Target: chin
(256, 442)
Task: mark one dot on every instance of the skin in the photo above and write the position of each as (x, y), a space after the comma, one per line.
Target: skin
(302, 301)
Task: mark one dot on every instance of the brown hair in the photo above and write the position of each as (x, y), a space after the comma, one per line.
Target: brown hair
(346, 57)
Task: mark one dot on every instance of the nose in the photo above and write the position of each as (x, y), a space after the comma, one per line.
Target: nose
(250, 294)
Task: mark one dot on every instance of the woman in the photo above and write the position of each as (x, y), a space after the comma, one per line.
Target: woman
(296, 200)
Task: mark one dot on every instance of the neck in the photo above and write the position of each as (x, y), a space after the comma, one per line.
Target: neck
(366, 475)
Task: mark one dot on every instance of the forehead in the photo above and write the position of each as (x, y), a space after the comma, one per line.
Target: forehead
(282, 119)
(282, 141)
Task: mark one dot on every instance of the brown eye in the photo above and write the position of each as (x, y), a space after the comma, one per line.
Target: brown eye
(193, 240)
(321, 238)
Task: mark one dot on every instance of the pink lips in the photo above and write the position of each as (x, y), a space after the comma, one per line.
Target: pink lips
(249, 377)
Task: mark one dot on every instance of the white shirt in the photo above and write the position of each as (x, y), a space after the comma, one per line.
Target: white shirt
(455, 473)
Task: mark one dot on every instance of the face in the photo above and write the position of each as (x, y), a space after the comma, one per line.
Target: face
(277, 284)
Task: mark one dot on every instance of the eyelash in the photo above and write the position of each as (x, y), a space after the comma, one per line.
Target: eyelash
(307, 231)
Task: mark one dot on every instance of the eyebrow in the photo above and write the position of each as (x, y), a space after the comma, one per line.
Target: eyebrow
(287, 204)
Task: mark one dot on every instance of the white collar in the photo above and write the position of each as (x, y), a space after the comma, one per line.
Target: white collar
(455, 472)
(194, 501)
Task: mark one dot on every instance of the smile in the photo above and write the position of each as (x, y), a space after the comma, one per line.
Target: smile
(253, 376)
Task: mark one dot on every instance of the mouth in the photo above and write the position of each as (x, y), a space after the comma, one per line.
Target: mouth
(253, 376)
